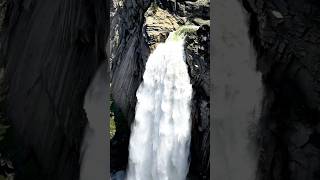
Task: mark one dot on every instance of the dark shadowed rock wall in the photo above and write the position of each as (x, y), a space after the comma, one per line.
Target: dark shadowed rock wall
(50, 51)
(286, 35)
(3, 5)
(129, 53)
(197, 55)
(137, 28)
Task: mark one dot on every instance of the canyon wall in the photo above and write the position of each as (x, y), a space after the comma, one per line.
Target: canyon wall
(286, 37)
(50, 51)
(137, 28)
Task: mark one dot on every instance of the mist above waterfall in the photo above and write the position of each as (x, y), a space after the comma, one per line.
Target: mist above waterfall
(160, 135)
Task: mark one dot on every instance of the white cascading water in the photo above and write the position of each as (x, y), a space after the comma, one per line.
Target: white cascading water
(238, 92)
(160, 136)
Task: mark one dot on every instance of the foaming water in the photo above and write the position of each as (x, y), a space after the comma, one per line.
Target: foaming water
(160, 135)
(237, 94)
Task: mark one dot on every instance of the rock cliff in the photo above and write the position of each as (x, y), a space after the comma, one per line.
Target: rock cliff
(50, 51)
(138, 27)
(286, 37)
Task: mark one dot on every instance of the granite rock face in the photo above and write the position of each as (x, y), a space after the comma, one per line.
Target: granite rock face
(132, 43)
(50, 51)
(158, 24)
(192, 9)
(286, 35)
(198, 60)
(129, 53)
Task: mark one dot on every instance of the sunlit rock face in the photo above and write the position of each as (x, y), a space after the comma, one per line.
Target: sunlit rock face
(132, 42)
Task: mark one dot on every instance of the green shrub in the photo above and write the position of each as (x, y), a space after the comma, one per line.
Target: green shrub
(112, 125)
(117, 120)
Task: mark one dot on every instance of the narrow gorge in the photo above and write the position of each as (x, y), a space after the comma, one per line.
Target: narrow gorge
(160, 137)
(139, 28)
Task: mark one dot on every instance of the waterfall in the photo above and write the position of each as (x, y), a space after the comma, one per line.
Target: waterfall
(237, 93)
(160, 135)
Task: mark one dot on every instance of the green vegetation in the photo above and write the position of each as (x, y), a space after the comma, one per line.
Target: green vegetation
(118, 123)
(112, 125)
(182, 31)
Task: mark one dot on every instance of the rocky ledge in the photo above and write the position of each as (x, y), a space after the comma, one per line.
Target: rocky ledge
(132, 43)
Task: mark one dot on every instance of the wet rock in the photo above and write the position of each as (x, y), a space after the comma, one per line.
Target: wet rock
(129, 53)
(120, 175)
(132, 43)
(197, 56)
